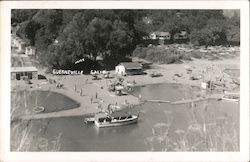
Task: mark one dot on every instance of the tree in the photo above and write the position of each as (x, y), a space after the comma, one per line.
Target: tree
(65, 36)
(233, 29)
(21, 15)
(30, 31)
(202, 37)
(120, 44)
(97, 36)
(214, 33)
(50, 26)
(69, 47)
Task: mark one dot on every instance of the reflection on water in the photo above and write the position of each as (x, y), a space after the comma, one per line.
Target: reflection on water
(76, 136)
(51, 101)
(170, 92)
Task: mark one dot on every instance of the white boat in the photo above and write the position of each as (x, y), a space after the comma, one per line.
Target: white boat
(109, 121)
(232, 98)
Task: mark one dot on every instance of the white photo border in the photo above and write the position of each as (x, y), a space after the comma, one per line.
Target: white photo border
(6, 155)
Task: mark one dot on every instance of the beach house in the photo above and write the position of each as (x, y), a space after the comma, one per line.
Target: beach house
(20, 73)
(129, 68)
(30, 50)
(18, 43)
(181, 37)
(161, 37)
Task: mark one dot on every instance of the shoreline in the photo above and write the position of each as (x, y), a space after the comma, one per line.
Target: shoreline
(89, 88)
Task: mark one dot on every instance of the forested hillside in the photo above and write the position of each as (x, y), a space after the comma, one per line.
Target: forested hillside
(64, 36)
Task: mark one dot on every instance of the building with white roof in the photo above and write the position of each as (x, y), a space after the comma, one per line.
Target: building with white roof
(20, 73)
(30, 50)
(129, 68)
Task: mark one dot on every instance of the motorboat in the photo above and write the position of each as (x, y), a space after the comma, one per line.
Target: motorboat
(111, 121)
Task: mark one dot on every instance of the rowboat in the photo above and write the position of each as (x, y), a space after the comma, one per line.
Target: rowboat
(232, 98)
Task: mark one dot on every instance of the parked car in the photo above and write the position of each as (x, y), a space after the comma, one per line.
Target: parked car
(95, 77)
(41, 77)
(154, 74)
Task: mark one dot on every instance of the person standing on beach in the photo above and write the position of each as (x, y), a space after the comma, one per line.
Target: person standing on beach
(96, 95)
(91, 99)
(101, 101)
(75, 88)
(81, 92)
(139, 97)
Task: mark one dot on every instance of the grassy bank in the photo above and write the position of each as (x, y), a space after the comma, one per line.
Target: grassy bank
(176, 53)
(160, 55)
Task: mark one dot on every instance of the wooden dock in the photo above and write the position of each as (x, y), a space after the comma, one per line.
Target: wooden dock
(186, 100)
(177, 102)
(158, 101)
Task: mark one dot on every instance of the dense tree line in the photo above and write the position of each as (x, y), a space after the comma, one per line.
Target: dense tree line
(65, 36)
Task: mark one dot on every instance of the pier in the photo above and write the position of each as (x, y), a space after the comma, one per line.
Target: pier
(215, 96)
(158, 101)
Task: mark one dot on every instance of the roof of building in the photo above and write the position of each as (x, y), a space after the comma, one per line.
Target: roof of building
(20, 60)
(131, 65)
(23, 69)
(181, 33)
(99, 58)
(31, 47)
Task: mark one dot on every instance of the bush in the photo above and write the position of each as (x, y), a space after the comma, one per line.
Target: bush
(160, 55)
(197, 54)
(186, 57)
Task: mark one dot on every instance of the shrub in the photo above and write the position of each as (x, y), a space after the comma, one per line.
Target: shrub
(186, 57)
(197, 54)
(160, 55)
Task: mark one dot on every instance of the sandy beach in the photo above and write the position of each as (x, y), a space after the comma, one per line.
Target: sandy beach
(91, 94)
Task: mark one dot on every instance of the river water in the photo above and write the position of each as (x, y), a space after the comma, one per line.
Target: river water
(158, 123)
(52, 101)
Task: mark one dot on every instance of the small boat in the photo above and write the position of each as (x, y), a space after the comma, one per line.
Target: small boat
(236, 81)
(232, 98)
(111, 121)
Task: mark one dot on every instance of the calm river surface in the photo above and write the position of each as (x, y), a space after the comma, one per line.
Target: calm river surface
(76, 136)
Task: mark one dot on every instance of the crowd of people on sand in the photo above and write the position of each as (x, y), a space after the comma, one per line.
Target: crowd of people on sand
(195, 73)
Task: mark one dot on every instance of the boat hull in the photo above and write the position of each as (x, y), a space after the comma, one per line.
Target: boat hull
(231, 100)
(116, 123)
